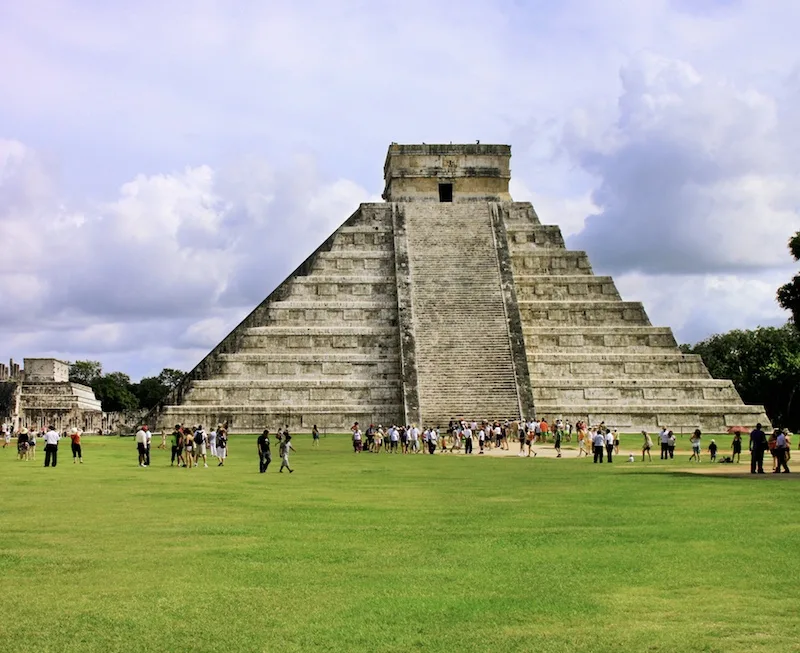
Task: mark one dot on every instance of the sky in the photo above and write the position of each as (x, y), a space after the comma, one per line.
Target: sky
(164, 165)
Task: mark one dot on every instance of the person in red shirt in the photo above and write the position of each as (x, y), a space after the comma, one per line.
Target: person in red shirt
(77, 454)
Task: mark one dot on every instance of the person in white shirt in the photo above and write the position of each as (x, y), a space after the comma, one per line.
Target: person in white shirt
(780, 453)
(598, 440)
(433, 438)
(202, 438)
(414, 438)
(6, 436)
(212, 442)
(394, 438)
(141, 445)
(357, 442)
(51, 439)
(609, 446)
(663, 438)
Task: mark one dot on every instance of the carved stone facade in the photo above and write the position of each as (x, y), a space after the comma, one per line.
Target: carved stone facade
(43, 395)
(450, 300)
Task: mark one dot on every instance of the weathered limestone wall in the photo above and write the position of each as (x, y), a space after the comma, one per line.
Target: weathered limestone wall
(477, 172)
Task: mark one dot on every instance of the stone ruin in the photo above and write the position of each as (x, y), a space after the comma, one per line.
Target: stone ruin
(450, 300)
(41, 394)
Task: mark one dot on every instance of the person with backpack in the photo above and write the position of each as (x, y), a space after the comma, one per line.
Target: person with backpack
(201, 445)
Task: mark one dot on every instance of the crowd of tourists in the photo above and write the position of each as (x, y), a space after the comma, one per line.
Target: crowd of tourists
(192, 446)
(599, 441)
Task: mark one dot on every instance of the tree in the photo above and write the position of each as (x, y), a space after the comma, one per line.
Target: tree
(764, 365)
(152, 389)
(85, 372)
(789, 293)
(114, 392)
(171, 377)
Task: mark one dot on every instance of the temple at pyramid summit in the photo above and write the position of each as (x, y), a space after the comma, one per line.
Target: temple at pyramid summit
(450, 300)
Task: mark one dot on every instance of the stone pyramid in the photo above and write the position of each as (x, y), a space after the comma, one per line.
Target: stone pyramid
(450, 300)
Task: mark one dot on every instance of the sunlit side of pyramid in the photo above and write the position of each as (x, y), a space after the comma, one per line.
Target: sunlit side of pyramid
(450, 300)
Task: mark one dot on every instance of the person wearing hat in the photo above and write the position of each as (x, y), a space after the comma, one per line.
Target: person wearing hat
(51, 439)
(22, 444)
(75, 436)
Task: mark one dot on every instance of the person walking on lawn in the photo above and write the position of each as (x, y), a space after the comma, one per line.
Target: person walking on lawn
(264, 453)
(286, 446)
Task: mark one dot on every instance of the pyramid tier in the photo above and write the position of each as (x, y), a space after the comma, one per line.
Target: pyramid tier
(578, 287)
(582, 313)
(602, 339)
(252, 418)
(375, 340)
(673, 365)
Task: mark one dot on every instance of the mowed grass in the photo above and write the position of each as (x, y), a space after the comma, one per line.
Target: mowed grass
(393, 553)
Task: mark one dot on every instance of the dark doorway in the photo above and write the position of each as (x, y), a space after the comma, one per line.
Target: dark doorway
(445, 192)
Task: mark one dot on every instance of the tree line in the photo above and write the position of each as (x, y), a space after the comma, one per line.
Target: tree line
(115, 390)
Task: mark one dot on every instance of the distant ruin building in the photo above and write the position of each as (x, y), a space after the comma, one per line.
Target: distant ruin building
(40, 394)
(450, 300)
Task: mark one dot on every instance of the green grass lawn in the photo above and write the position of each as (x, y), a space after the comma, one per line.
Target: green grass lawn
(393, 553)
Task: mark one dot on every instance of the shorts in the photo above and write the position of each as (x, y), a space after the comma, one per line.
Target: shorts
(222, 452)
(202, 450)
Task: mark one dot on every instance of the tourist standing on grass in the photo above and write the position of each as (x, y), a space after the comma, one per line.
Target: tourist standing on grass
(598, 442)
(149, 438)
(22, 444)
(647, 444)
(188, 446)
(77, 453)
(315, 436)
(222, 446)
(433, 438)
(141, 446)
(712, 451)
(467, 436)
(736, 447)
(671, 441)
(212, 442)
(286, 446)
(32, 445)
(6, 435)
(663, 438)
(357, 441)
(695, 440)
(758, 445)
(557, 445)
(177, 446)
(264, 453)
(609, 446)
(780, 453)
(51, 439)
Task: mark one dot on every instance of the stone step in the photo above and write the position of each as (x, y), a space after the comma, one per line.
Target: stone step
(293, 392)
(550, 261)
(651, 417)
(578, 287)
(354, 262)
(300, 418)
(315, 365)
(362, 237)
(615, 366)
(322, 340)
(580, 313)
(518, 213)
(523, 237)
(590, 391)
(348, 288)
(331, 312)
(603, 339)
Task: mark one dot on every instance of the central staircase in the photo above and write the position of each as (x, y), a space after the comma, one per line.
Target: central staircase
(464, 361)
